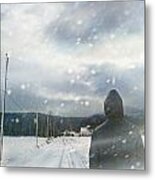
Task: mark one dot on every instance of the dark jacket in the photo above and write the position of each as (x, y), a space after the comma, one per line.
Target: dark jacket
(116, 144)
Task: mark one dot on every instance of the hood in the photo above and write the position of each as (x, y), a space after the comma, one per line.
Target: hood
(113, 105)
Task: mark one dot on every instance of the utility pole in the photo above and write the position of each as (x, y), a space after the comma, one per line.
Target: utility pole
(0, 105)
(36, 122)
(50, 124)
(47, 128)
(4, 107)
(53, 128)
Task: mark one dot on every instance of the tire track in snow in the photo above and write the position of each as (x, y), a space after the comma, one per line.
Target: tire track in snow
(75, 157)
(61, 158)
(63, 154)
(69, 155)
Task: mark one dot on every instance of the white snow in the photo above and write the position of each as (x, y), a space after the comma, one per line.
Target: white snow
(61, 152)
(62, 104)
(17, 120)
(87, 103)
(22, 86)
(90, 45)
(78, 77)
(78, 39)
(72, 81)
(45, 101)
(113, 81)
(95, 37)
(93, 72)
(70, 71)
(79, 22)
(9, 91)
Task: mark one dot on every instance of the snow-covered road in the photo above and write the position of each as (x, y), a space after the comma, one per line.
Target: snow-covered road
(61, 152)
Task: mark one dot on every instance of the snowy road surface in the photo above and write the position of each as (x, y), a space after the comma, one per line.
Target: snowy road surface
(61, 152)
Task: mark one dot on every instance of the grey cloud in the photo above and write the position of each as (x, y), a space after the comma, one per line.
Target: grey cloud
(125, 82)
(106, 18)
(99, 18)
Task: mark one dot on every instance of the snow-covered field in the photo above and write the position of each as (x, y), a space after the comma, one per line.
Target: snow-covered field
(61, 152)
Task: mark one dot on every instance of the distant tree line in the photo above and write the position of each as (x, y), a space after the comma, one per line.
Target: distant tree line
(24, 124)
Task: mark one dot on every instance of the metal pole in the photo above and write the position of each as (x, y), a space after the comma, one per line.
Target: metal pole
(47, 126)
(37, 116)
(0, 106)
(4, 106)
(50, 124)
(0, 94)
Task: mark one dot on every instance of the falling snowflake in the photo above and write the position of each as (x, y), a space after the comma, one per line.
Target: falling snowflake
(9, 92)
(130, 132)
(78, 39)
(87, 103)
(45, 101)
(78, 77)
(124, 141)
(93, 72)
(108, 81)
(17, 120)
(126, 156)
(88, 83)
(90, 45)
(113, 81)
(95, 37)
(112, 36)
(70, 71)
(113, 146)
(132, 167)
(78, 42)
(77, 99)
(72, 81)
(79, 22)
(115, 155)
(138, 163)
(62, 104)
(23, 86)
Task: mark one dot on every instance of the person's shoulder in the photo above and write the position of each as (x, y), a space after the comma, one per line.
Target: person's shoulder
(99, 129)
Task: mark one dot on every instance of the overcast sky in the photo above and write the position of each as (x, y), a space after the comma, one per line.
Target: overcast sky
(65, 57)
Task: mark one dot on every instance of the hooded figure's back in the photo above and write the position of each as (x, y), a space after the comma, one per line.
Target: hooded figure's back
(113, 106)
(116, 144)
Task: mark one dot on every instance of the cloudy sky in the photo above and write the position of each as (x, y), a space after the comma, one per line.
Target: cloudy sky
(65, 57)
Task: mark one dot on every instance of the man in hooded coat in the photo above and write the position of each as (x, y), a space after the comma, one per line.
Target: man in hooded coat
(116, 143)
